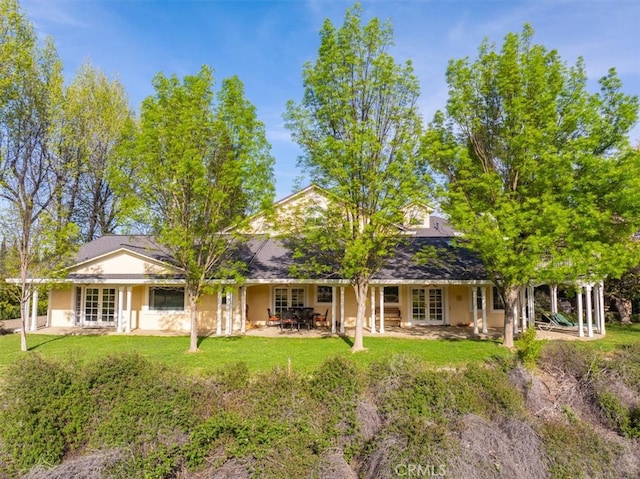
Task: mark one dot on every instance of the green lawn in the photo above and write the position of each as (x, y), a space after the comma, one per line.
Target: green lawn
(617, 335)
(263, 354)
(260, 354)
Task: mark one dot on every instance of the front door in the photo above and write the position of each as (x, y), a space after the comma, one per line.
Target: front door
(99, 307)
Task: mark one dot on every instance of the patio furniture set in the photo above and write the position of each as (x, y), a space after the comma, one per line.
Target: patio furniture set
(297, 318)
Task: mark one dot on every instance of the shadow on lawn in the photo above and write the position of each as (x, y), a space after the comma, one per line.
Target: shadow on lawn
(212, 337)
(50, 340)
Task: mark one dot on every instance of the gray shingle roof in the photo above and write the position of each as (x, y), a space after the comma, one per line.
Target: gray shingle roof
(426, 258)
(140, 244)
(432, 259)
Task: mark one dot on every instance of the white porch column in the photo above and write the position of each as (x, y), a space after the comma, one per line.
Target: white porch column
(120, 315)
(596, 308)
(372, 321)
(48, 323)
(588, 293)
(531, 305)
(554, 298)
(381, 302)
(243, 309)
(601, 305)
(474, 300)
(334, 297)
(483, 294)
(341, 309)
(515, 320)
(129, 311)
(580, 312)
(34, 310)
(229, 313)
(219, 314)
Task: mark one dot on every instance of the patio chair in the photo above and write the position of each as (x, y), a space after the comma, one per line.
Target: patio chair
(305, 318)
(554, 321)
(561, 320)
(272, 319)
(289, 319)
(322, 319)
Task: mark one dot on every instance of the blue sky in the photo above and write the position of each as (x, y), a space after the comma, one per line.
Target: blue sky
(266, 43)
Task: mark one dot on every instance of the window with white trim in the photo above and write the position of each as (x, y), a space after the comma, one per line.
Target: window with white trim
(392, 295)
(496, 301)
(166, 299)
(324, 294)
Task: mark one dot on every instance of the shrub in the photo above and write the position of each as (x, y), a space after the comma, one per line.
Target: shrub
(52, 408)
(528, 348)
(336, 386)
(576, 450)
(44, 414)
(493, 393)
(138, 403)
(625, 421)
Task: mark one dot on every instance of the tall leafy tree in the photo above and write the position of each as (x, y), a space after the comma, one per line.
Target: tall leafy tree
(623, 292)
(359, 128)
(199, 169)
(30, 175)
(93, 118)
(537, 171)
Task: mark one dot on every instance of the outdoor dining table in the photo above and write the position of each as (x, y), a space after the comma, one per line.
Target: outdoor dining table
(297, 317)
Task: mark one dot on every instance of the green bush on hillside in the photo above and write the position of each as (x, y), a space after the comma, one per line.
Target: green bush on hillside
(576, 450)
(156, 423)
(54, 408)
(529, 348)
(44, 413)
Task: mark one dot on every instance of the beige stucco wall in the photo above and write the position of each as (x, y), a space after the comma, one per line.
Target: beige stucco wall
(260, 297)
(62, 304)
(61, 308)
(120, 262)
(258, 300)
(461, 307)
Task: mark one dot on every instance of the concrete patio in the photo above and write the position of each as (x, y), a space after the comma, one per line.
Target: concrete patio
(414, 332)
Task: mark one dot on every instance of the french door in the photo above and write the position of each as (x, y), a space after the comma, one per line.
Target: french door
(427, 306)
(285, 298)
(99, 306)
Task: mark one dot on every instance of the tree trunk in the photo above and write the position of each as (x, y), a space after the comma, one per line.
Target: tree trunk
(193, 312)
(624, 308)
(25, 292)
(24, 316)
(511, 294)
(361, 289)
